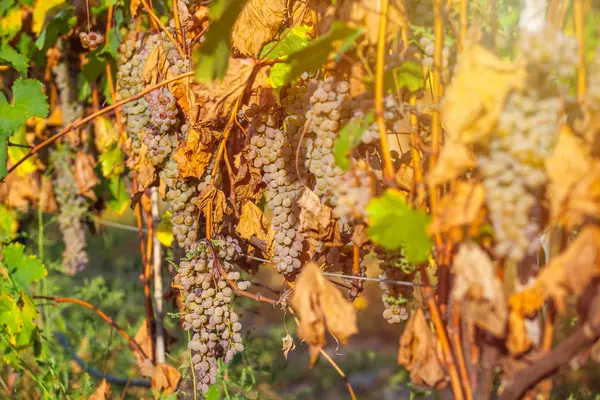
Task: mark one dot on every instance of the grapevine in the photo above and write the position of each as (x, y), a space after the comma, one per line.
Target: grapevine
(299, 161)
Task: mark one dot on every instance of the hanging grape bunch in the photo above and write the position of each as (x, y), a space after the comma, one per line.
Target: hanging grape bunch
(91, 40)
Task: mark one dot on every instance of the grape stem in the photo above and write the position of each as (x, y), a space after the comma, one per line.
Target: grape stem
(91, 117)
(102, 315)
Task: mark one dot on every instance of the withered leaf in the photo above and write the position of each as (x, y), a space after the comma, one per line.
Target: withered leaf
(247, 180)
(317, 221)
(569, 273)
(85, 176)
(574, 187)
(155, 66)
(359, 13)
(320, 306)
(479, 290)
(195, 155)
(476, 96)
(257, 24)
(455, 159)
(252, 222)
(218, 99)
(288, 345)
(133, 7)
(417, 352)
(464, 205)
(213, 199)
(146, 172)
(102, 392)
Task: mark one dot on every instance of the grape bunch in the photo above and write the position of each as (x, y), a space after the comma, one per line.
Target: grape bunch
(163, 109)
(328, 112)
(362, 104)
(91, 40)
(181, 197)
(72, 208)
(134, 53)
(67, 87)
(512, 166)
(427, 61)
(160, 144)
(395, 297)
(353, 194)
(273, 151)
(208, 314)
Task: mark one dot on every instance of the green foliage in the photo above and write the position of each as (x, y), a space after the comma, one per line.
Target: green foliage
(10, 56)
(28, 101)
(115, 194)
(408, 75)
(312, 57)
(349, 138)
(8, 224)
(22, 269)
(59, 21)
(393, 224)
(213, 57)
(292, 40)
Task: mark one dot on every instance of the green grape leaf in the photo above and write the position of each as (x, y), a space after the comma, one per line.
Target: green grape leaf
(28, 101)
(212, 58)
(8, 224)
(312, 57)
(10, 316)
(349, 137)
(10, 56)
(393, 225)
(408, 74)
(5, 5)
(109, 159)
(117, 198)
(59, 21)
(292, 39)
(23, 269)
(28, 329)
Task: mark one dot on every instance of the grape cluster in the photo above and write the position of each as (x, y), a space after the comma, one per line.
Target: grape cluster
(215, 327)
(328, 112)
(395, 297)
(72, 208)
(353, 193)
(163, 109)
(160, 145)
(427, 61)
(512, 165)
(134, 53)
(273, 151)
(362, 104)
(513, 170)
(91, 40)
(67, 88)
(181, 197)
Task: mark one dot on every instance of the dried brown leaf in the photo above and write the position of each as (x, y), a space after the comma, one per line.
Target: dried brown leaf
(478, 289)
(252, 222)
(146, 172)
(360, 14)
(218, 99)
(85, 176)
(155, 66)
(320, 306)
(165, 378)
(216, 200)
(195, 155)
(257, 24)
(102, 392)
(317, 221)
(288, 345)
(455, 159)
(417, 352)
(461, 207)
(247, 181)
(475, 98)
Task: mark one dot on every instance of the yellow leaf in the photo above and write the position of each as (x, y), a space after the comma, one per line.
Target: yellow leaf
(518, 342)
(252, 222)
(105, 134)
(164, 233)
(102, 391)
(477, 94)
(461, 207)
(321, 306)
(455, 159)
(39, 13)
(195, 155)
(257, 24)
(13, 21)
(133, 7)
